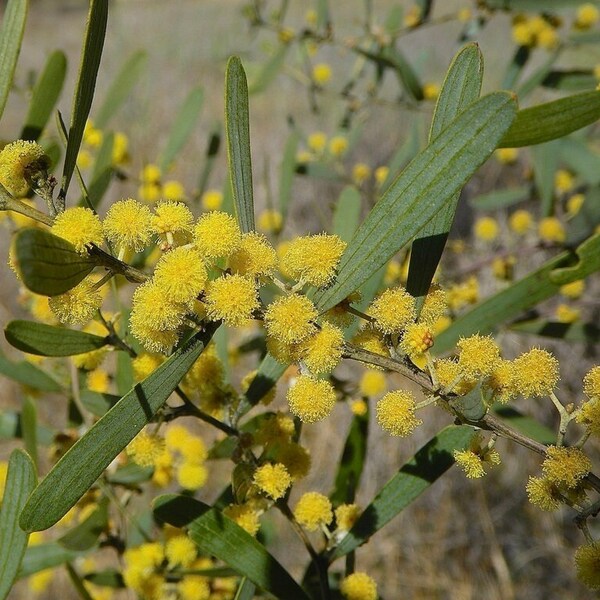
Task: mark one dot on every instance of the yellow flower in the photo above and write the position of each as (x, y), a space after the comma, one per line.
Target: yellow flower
(547, 38)
(431, 91)
(145, 448)
(193, 449)
(150, 174)
(507, 156)
(550, 229)
(217, 235)
(149, 192)
(181, 274)
(338, 145)
(371, 340)
(591, 383)
(381, 175)
(321, 73)
(79, 226)
(589, 415)
(544, 494)
(346, 515)
(78, 305)
(393, 310)
(566, 466)
(145, 364)
(452, 378)
(212, 200)
(232, 299)
(535, 373)
(270, 221)
(396, 413)
(180, 551)
(322, 352)
(245, 516)
(434, 306)
(586, 16)
(412, 17)
(120, 155)
(92, 136)
(360, 173)
(563, 181)
(313, 511)
(372, 383)
(478, 356)
(313, 259)
(272, 479)
(311, 399)
(127, 224)
(290, 318)
(587, 561)
(18, 162)
(172, 218)
(501, 381)
(84, 159)
(176, 437)
(567, 314)
(191, 475)
(295, 458)
(317, 141)
(152, 307)
(574, 204)
(470, 462)
(416, 339)
(358, 586)
(486, 229)
(173, 190)
(98, 381)
(520, 221)
(254, 257)
(193, 587)
(522, 34)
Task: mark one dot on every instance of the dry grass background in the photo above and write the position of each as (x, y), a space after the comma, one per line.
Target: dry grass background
(462, 540)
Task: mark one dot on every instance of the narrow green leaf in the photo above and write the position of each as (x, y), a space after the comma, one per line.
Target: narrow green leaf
(85, 461)
(352, 461)
(11, 35)
(86, 84)
(98, 404)
(268, 374)
(461, 87)
(588, 262)
(420, 191)
(539, 75)
(11, 428)
(29, 427)
(182, 128)
(552, 120)
(347, 213)
(521, 5)
(27, 374)
(428, 464)
(47, 264)
(85, 535)
(219, 536)
(405, 153)
(500, 198)
(47, 340)
(77, 582)
(20, 481)
(44, 556)
(212, 149)
(287, 172)
(515, 67)
(582, 159)
(526, 425)
(237, 132)
(125, 380)
(121, 86)
(245, 591)
(323, 15)
(545, 162)
(130, 475)
(269, 70)
(506, 304)
(588, 333)
(108, 578)
(45, 95)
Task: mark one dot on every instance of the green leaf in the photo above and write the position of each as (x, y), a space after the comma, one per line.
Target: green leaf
(77, 582)
(286, 177)
(461, 88)
(45, 95)
(588, 262)
(29, 427)
(47, 340)
(130, 475)
(500, 198)
(434, 176)
(47, 264)
(27, 374)
(407, 151)
(212, 149)
(44, 556)
(582, 159)
(538, 76)
(20, 481)
(588, 333)
(121, 86)
(502, 306)
(515, 67)
(426, 466)
(85, 535)
(268, 72)
(545, 162)
(237, 133)
(526, 425)
(352, 461)
(182, 128)
(107, 578)
(219, 536)
(86, 84)
(85, 461)
(573, 80)
(347, 213)
(268, 374)
(552, 120)
(245, 591)
(323, 14)
(11, 35)
(98, 404)
(11, 428)
(534, 5)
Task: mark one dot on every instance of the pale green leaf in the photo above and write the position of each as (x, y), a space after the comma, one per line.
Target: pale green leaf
(346, 215)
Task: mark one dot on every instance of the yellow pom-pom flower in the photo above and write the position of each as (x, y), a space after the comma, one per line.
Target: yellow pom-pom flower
(358, 586)
(295, 458)
(272, 479)
(381, 175)
(589, 415)
(566, 314)
(434, 306)
(507, 156)
(586, 16)
(322, 352)
(152, 307)
(346, 515)
(317, 141)
(78, 305)
(245, 515)
(566, 466)
(472, 460)
(501, 381)
(543, 493)
(145, 448)
(181, 274)
(522, 34)
(120, 154)
(591, 383)
(452, 378)
(338, 145)
(98, 381)
(212, 200)
(80, 226)
(232, 299)
(535, 373)
(290, 318)
(313, 511)
(313, 259)
(191, 475)
(372, 383)
(396, 413)
(321, 73)
(360, 173)
(217, 235)
(550, 229)
(393, 310)
(486, 229)
(180, 551)
(563, 181)
(416, 339)
(371, 340)
(311, 399)
(573, 290)
(145, 364)
(521, 221)
(431, 90)
(254, 257)
(172, 218)
(128, 225)
(478, 356)
(18, 162)
(587, 562)
(150, 174)
(270, 221)
(173, 190)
